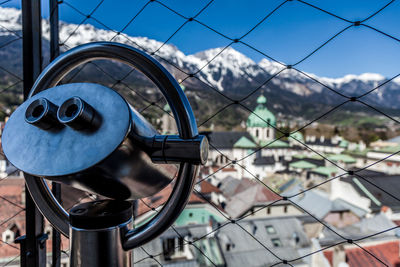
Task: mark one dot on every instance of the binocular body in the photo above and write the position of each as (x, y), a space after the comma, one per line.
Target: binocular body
(87, 136)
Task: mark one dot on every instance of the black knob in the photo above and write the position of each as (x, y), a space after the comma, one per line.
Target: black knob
(174, 149)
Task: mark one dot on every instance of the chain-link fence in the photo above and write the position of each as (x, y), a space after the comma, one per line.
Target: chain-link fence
(12, 193)
(324, 202)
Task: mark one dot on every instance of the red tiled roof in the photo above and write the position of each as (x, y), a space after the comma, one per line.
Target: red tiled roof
(265, 194)
(388, 252)
(329, 256)
(11, 250)
(385, 208)
(207, 187)
(231, 169)
(12, 213)
(226, 169)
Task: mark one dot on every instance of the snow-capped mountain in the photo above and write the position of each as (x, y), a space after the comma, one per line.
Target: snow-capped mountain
(229, 70)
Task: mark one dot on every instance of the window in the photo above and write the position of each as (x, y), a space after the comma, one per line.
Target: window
(257, 133)
(276, 242)
(252, 211)
(285, 209)
(48, 230)
(296, 238)
(168, 248)
(10, 234)
(254, 229)
(269, 210)
(173, 248)
(180, 244)
(7, 239)
(270, 229)
(221, 159)
(229, 246)
(223, 205)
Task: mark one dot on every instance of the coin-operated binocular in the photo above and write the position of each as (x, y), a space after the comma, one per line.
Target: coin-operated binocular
(87, 136)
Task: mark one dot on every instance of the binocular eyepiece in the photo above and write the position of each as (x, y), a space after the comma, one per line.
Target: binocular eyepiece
(74, 112)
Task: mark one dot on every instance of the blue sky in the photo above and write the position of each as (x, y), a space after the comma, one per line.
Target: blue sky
(288, 35)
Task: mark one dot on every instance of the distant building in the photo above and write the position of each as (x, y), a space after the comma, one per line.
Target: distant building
(325, 145)
(12, 223)
(380, 188)
(230, 245)
(261, 123)
(340, 207)
(386, 159)
(258, 152)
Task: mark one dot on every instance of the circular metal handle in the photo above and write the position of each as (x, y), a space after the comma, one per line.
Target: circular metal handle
(180, 107)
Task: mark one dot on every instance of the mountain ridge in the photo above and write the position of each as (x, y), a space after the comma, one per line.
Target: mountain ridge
(230, 72)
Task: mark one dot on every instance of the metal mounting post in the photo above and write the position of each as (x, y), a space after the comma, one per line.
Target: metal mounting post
(96, 232)
(33, 244)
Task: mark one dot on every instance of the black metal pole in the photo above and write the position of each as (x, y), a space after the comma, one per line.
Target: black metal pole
(54, 38)
(56, 236)
(55, 187)
(33, 245)
(32, 42)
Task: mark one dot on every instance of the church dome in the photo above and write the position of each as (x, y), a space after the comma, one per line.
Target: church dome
(261, 116)
(297, 136)
(261, 99)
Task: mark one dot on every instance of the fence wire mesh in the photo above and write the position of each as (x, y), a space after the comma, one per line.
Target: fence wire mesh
(12, 208)
(152, 105)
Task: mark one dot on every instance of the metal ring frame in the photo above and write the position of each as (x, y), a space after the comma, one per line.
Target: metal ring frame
(180, 107)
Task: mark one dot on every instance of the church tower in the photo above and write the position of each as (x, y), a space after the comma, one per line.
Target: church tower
(261, 122)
